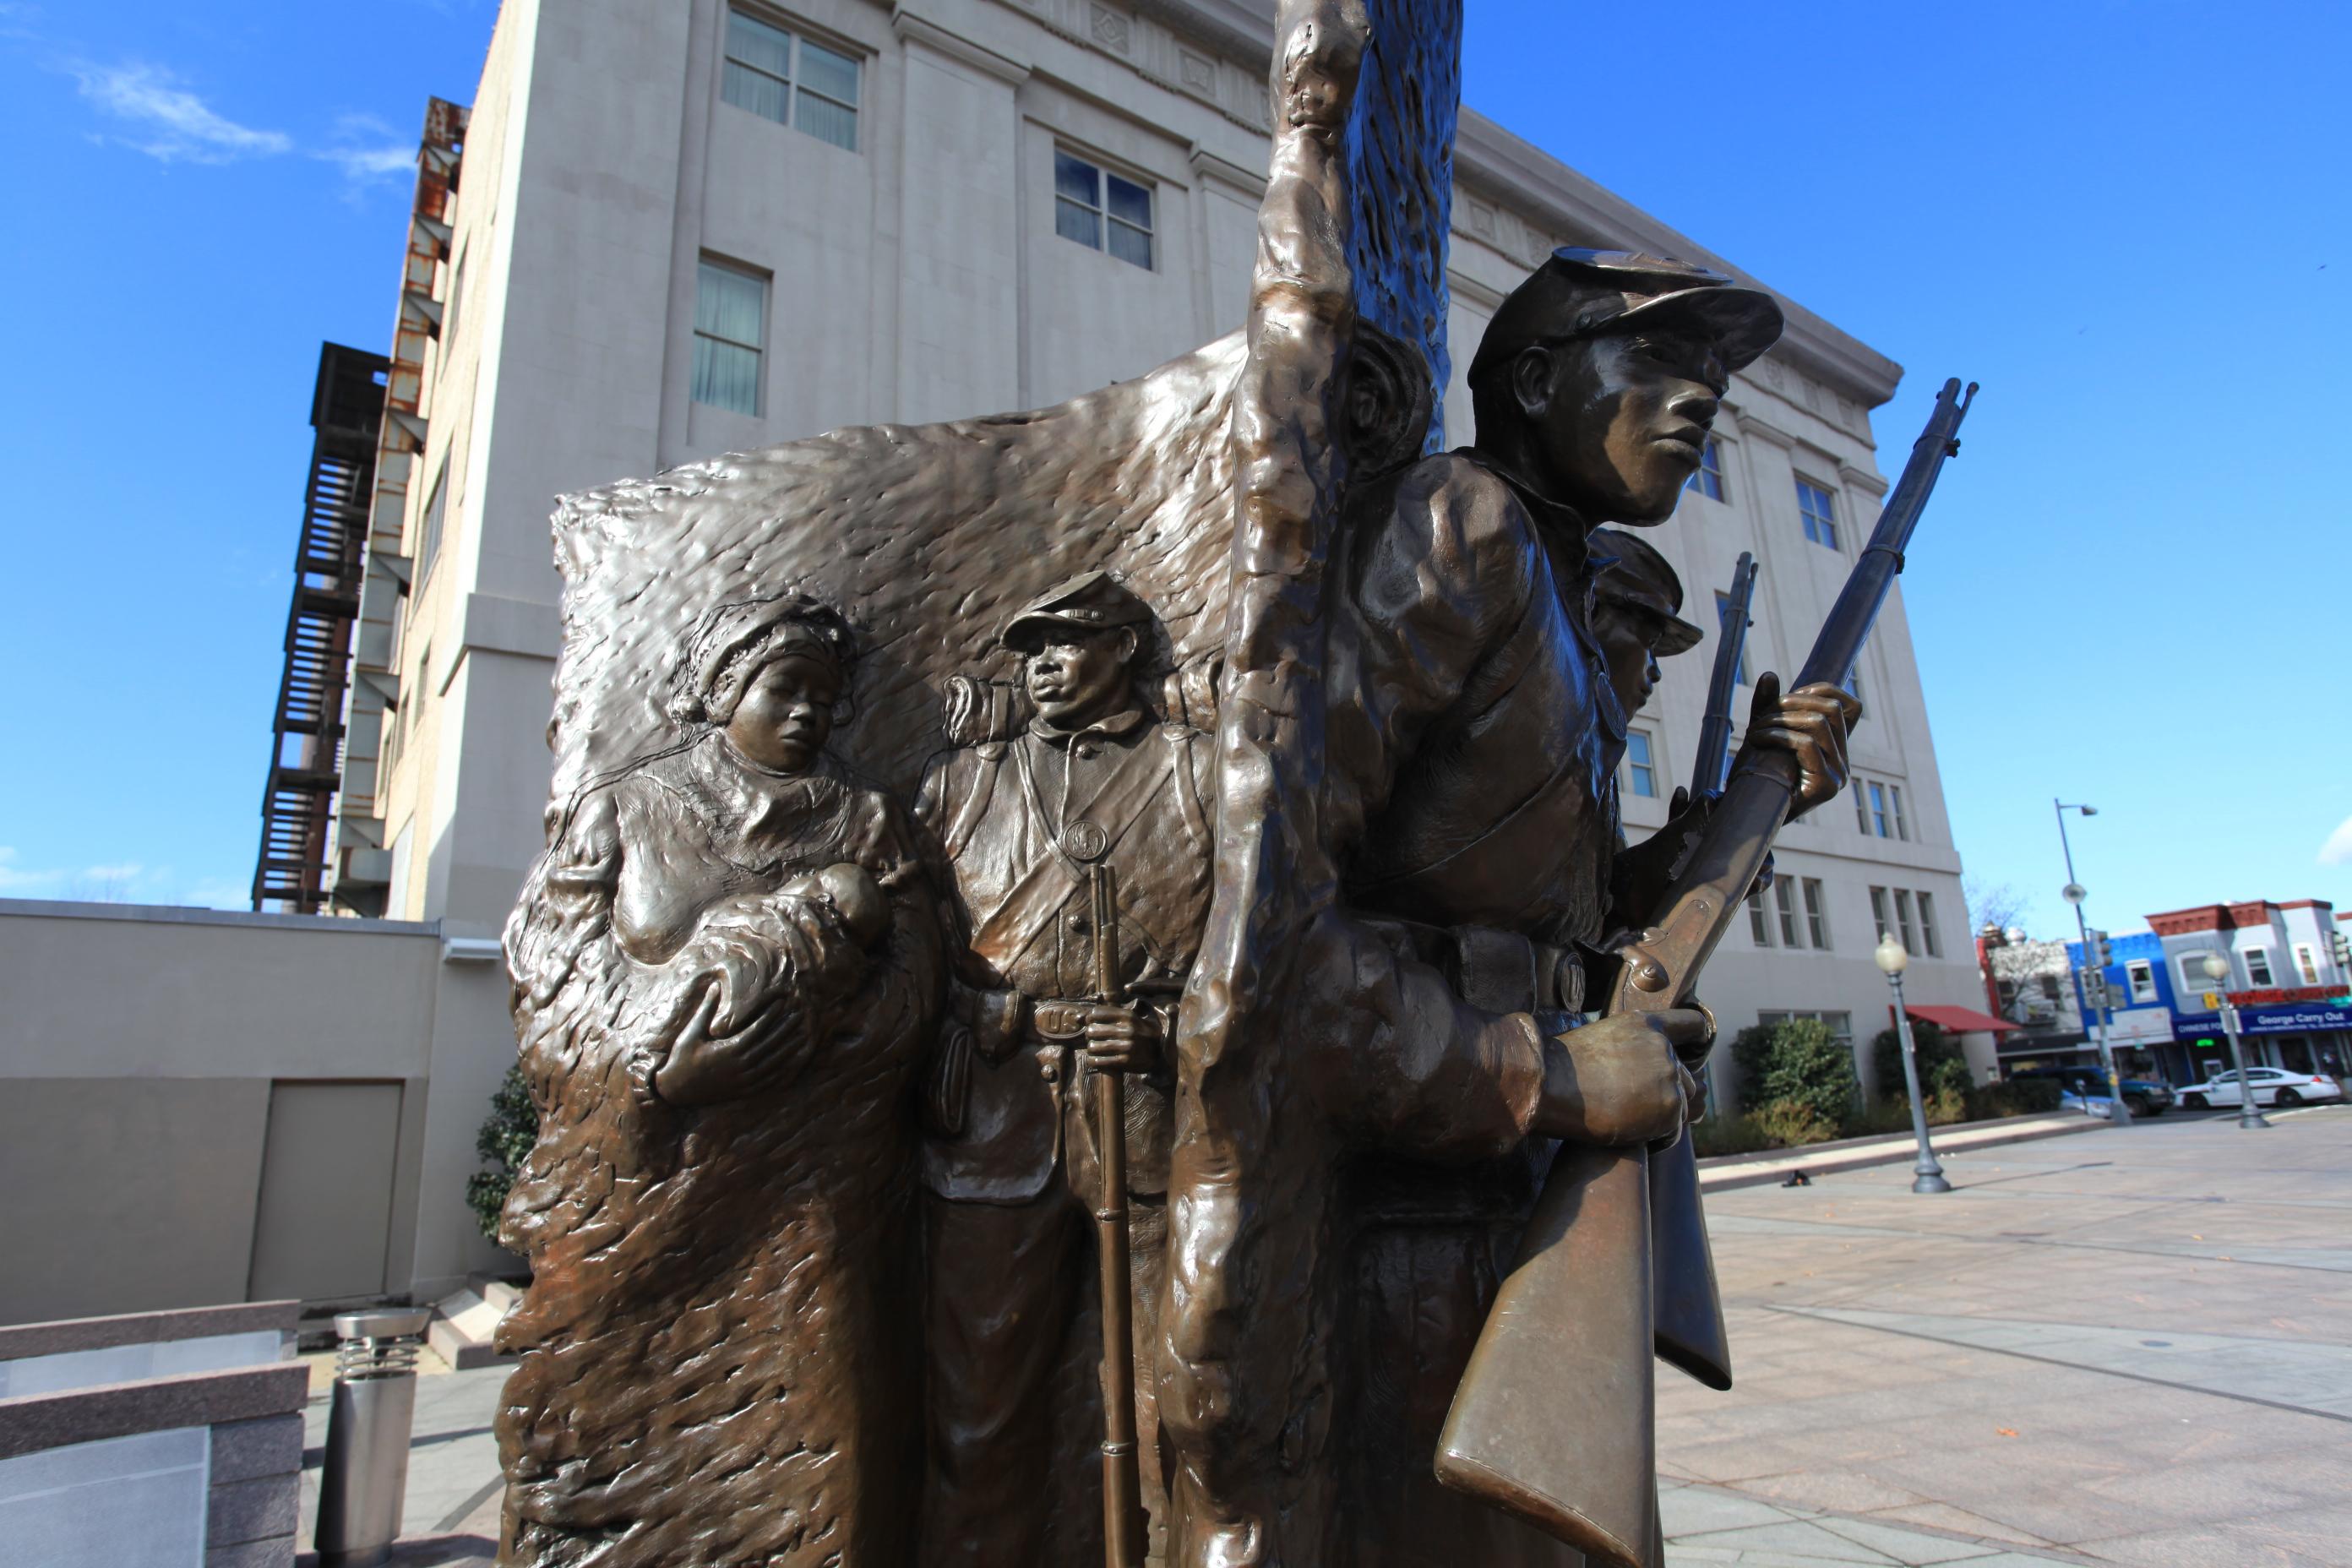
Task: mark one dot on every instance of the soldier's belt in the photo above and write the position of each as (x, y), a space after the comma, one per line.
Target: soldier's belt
(1059, 1023)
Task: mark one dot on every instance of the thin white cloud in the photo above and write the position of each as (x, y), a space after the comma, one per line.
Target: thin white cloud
(169, 122)
(15, 879)
(363, 164)
(2337, 850)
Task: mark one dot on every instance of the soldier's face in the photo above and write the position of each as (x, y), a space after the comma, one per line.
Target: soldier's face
(786, 714)
(1077, 677)
(1628, 635)
(1621, 422)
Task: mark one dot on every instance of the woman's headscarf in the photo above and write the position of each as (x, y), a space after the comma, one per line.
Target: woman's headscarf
(736, 641)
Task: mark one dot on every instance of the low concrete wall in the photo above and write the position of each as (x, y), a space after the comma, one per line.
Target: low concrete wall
(202, 1464)
(197, 1106)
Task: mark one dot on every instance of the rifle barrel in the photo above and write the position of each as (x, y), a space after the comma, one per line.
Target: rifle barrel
(1856, 610)
(1715, 731)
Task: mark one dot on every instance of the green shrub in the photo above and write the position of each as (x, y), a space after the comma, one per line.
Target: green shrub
(1947, 1105)
(1881, 1115)
(1942, 1064)
(1727, 1135)
(2018, 1097)
(1792, 1123)
(505, 1140)
(1797, 1061)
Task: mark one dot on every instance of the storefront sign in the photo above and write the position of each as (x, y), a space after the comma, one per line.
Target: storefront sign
(2293, 1020)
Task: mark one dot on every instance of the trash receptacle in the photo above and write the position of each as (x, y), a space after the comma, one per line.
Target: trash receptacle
(365, 1478)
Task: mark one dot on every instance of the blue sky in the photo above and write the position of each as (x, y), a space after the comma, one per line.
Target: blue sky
(2128, 220)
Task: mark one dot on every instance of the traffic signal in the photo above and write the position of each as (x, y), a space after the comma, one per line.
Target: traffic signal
(2343, 946)
(2100, 954)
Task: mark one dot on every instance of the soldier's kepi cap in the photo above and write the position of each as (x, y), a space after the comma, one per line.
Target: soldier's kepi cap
(1585, 294)
(1627, 570)
(1093, 601)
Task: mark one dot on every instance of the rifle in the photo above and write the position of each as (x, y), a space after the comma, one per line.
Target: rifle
(1565, 1354)
(1122, 1482)
(1687, 1331)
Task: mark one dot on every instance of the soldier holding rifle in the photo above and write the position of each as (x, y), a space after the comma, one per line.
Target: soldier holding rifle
(1079, 850)
(1475, 736)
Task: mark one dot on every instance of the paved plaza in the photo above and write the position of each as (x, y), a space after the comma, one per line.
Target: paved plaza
(2130, 1346)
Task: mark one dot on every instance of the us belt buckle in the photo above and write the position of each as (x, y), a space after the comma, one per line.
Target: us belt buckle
(1058, 1022)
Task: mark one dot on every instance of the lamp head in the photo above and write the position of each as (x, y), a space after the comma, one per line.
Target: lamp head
(2088, 810)
(2073, 892)
(1890, 957)
(2216, 967)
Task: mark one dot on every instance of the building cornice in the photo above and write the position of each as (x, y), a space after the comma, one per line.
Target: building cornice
(1207, 165)
(918, 29)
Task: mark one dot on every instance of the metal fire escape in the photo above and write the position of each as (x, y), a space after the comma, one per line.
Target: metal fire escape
(360, 870)
(305, 745)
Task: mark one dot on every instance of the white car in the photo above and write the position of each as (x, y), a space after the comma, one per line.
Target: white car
(2270, 1086)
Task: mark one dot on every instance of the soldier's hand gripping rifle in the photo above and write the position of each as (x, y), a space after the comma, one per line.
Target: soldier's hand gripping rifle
(1555, 1417)
(1122, 1484)
(1687, 1310)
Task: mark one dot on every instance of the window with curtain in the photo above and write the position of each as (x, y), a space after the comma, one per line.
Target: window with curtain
(1708, 481)
(1100, 210)
(1641, 765)
(428, 539)
(1818, 508)
(2258, 966)
(782, 75)
(730, 323)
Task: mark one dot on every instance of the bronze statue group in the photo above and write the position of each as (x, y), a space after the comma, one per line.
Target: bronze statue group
(812, 1215)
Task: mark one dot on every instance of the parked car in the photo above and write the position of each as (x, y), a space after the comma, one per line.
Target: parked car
(2271, 1086)
(2081, 1084)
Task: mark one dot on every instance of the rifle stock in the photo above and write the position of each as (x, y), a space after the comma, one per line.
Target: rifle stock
(1555, 1417)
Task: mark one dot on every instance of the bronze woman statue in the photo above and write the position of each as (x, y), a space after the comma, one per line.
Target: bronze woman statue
(725, 970)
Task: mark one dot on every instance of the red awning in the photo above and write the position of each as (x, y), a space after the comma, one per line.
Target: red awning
(1962, 1020)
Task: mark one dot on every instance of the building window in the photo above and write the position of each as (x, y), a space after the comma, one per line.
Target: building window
(1878, 809)
(1708, 481)
(1903, 925)
(2307, 961)
(1759, 924)
(1878, 912)
(1928, 925)
(2258, 966)
(428, 537)
(731, 324)
(2141, 977)
(1101, 211)
(783, 76)
(2194, 981)
(1817, 919)
(1641, 766)
(1784, 899)
(1819, 508)
(1723, 622)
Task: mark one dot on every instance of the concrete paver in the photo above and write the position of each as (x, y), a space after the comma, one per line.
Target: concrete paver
(2130, 1348)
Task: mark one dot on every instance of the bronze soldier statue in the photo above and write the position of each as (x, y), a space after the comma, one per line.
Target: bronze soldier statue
(1475, 735)
(1093, 781)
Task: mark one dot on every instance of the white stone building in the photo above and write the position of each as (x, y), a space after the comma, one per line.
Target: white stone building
(674, 229)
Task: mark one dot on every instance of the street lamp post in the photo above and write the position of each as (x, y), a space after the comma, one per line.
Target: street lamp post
(1927, 1175)
(2217, 970)
(2074, 893)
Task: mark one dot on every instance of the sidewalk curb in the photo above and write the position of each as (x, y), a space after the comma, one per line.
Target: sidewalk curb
(1857, 1154)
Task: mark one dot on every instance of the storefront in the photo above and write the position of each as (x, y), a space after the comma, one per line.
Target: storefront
(2297, 1037)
